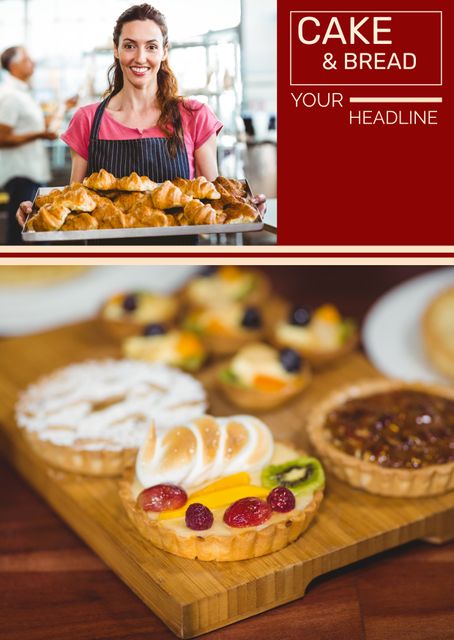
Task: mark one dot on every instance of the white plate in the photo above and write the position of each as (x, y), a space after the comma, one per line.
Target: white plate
(392, 328)
(37, 308)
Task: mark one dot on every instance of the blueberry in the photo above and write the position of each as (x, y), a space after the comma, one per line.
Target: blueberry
(130, 302)
(252, 318)
(154, 330)
(301, 316)
(290, 360)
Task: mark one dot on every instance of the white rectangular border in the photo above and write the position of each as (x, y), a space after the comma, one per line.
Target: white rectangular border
(440, 84)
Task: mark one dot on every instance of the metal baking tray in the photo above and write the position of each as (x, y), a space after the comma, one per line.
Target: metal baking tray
(140, 232)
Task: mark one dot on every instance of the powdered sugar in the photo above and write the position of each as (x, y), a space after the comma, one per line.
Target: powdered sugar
(109, 404)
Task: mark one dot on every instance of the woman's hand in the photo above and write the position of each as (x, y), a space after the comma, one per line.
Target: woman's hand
(260, 203)
(24, 209)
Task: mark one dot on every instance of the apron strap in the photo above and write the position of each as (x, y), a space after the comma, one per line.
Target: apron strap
(97, 119)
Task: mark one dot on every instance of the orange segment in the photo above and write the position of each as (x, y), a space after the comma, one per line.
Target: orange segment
(328, 313)
(189, 346)
(215, 327)
(267, 383)
(235, 480)
(218, 499)
(229, 272)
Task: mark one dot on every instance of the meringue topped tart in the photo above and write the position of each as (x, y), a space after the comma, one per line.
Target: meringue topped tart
(221, 489)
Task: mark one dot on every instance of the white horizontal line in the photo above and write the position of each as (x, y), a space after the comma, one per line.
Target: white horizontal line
(396, 99)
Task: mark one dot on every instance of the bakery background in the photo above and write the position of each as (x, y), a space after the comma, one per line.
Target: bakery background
(216, 55)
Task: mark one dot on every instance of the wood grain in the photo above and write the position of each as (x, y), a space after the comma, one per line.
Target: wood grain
(351, 525)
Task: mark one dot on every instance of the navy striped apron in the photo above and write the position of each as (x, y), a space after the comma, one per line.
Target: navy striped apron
(146, 156)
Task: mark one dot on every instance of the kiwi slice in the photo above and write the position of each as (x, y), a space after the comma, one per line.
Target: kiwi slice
(301, 475)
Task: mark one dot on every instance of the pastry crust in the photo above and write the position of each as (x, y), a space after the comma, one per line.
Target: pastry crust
(437, 332)
(142, 216)
(109, 216)
(371, 477)
(76, 199)
(256, 400)
(240, 545)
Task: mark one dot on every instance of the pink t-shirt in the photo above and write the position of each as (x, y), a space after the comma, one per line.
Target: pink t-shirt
(198, 126)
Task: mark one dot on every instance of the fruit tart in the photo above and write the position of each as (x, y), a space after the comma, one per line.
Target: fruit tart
(127, 314)
(321, 335)
(221, 489)
(218, 286)
(260, 377)
(226, 329)
(175, 347)
(388, 437)
(91, 417)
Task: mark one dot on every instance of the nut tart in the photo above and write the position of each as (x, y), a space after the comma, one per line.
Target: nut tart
(221, 489)
(224, 330)
(223, 285)
(177, 348)
(260, 377)
(91, 417)
(438, 336)
(321, 335)
(388, 437)
(128, 314)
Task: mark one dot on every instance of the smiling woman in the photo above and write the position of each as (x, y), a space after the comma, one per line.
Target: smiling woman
(142, 125)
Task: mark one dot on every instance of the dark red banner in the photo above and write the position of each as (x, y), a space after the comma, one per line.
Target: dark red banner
(365, 120)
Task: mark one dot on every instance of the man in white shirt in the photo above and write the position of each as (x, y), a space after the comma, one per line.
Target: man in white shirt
(24, 162)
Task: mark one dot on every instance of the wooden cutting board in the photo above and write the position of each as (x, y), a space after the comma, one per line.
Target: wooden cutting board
(194, 597)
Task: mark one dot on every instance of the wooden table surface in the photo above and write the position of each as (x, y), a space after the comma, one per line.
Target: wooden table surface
(54, 587)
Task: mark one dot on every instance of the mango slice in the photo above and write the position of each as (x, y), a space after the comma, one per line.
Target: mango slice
(267, 383)
(218, 499)
(235, 480)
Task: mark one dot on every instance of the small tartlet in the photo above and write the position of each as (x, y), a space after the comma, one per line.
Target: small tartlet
(270, 391)
(332, 338)
(149, 308)
(225, 285)
(370, 476)
(223, 330)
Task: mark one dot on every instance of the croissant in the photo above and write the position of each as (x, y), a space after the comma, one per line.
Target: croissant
(168, 196)
(143, 216)
(236, 188)
(40, 201)
(50, 217)
(203, 450)
(76, 199)
(240, 212)
(126, 201)
(195, 212)
(134, 182)
(79, 222)
(108, 216)
(103, 181)
(199, 188)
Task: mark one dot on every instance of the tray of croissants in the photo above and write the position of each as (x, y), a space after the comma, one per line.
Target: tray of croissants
(103, 206)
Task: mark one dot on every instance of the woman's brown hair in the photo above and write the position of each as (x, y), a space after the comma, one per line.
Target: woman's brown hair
(170, 119)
